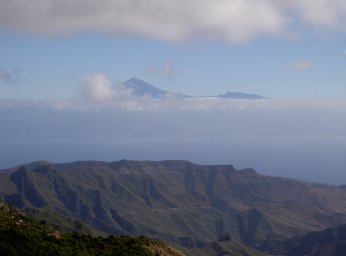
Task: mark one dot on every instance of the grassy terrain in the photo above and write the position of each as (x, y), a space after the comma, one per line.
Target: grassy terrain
(61, 221)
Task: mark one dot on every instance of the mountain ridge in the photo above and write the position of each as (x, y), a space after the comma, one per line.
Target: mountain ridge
(140, 88)
(177, 201)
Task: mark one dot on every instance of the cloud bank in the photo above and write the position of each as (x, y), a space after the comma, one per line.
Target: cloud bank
(97, 91)
(173, 20)
(194, 118)
(103, 108)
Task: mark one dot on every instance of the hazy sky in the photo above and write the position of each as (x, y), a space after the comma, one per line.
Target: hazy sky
(287, 49)
(62, 63)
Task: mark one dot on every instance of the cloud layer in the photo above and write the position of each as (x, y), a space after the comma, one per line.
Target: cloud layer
(173, 20)
(97, 90)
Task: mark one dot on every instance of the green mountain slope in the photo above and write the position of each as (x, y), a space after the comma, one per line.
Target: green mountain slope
(62, 222)
(176, 201)
(20, 235)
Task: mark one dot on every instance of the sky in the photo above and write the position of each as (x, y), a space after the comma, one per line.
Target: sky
(63, 64)
(279, 49)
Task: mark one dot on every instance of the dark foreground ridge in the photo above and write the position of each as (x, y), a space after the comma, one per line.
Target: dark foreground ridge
(214, 208)
(20, 235)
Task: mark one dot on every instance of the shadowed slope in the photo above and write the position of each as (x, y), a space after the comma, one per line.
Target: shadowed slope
(176, 201)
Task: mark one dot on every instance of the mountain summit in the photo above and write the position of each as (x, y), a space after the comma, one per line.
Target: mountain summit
(141, 88)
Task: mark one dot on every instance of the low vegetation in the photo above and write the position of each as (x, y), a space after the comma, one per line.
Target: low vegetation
(20, 235)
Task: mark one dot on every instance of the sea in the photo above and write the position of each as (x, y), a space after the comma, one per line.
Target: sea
(320, 159)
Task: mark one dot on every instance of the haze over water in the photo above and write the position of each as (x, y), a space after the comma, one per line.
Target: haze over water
(316, 159)
(65, 94)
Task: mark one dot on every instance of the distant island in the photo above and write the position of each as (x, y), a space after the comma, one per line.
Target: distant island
(140, 88)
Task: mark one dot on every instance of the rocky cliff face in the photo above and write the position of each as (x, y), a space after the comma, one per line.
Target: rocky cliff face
(176, 201)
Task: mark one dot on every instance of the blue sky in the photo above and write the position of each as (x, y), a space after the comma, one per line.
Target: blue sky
(285, 51)
(62, 63)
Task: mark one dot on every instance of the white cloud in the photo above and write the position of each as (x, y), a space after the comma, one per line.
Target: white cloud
(172, 20)
(301, 65)
(321, 13)
(167, 71)
(101, 97)
(97, 88)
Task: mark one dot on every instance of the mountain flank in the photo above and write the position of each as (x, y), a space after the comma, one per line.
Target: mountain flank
(140, 88)
(21, 235)
(328, 242)
(182, 203)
